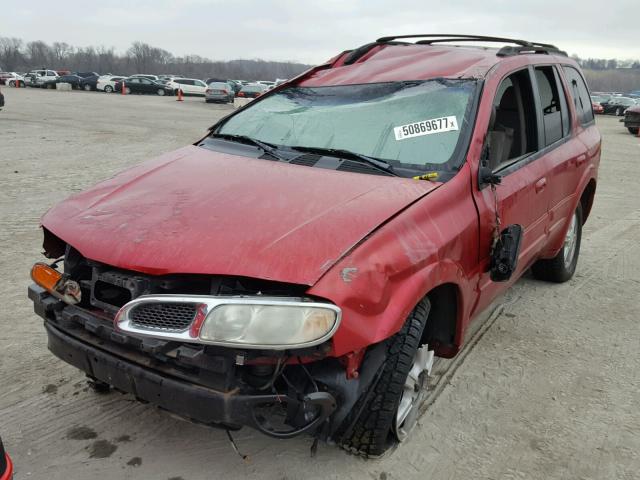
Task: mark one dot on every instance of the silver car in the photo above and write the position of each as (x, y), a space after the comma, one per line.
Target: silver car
(219, 92)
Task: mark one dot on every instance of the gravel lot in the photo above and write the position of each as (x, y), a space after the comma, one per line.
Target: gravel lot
(548, 388)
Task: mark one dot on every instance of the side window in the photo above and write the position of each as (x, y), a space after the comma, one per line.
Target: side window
(554, 115)
(580, 95)
(514, 132)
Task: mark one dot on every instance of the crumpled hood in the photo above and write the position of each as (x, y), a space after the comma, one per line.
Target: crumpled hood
(198, 211)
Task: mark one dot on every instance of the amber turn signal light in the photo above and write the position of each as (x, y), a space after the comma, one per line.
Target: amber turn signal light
(45, 276)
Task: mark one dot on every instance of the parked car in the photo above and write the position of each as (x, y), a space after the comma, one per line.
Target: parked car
(73, 80)
(107, 83)
(86, 74)
(40, 78)
(143, 85)
(89, 83)
(597, 108)
(617, 105)
(236, 84)
(632, 119)
(298, 268)
(219, 92)
(155, 78)
(189, 86)
(11, 79)
(253, 90)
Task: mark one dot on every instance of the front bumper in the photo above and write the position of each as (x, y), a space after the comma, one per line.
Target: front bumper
(86, 341)
(195, 402)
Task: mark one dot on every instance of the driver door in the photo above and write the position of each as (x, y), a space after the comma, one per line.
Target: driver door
(522, 196)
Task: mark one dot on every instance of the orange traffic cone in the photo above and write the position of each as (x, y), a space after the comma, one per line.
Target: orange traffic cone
(124, 89)
(179, 95)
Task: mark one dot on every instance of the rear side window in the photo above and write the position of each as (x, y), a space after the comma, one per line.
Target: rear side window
(555, 117)
(580, 94)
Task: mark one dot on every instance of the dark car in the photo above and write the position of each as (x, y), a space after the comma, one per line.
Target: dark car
(617, 105)
(73, 80)
(86, 74)
(298, 268)
(89, 83)
(632, 119)
(143, 85)
(252, 90)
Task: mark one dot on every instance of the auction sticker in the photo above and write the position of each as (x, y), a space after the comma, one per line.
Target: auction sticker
(426, 127)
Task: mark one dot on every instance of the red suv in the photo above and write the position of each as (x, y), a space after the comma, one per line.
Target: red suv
(297, 269)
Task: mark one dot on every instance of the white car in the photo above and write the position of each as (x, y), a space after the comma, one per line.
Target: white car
(107, 83)
(189, 86)
(10, 78)
(40, 77)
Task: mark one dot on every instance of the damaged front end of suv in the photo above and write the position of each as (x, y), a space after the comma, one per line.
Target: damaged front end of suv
(218, 350)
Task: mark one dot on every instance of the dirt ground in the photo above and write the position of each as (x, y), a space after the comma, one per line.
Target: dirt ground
(548, 388)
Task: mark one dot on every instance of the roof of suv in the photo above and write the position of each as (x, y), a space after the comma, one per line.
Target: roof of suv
(388, 60)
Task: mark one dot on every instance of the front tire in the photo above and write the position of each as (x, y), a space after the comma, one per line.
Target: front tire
(161, 92)
(561, 268)
(108, 89)
(390, 409)
(12, 83)
(619, 112)
(87, 88)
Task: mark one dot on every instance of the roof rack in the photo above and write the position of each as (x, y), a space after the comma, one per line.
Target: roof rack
(523, 46)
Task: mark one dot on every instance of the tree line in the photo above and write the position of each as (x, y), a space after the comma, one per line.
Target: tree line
(17, 55)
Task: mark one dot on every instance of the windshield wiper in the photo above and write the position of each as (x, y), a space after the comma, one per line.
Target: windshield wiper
(339, 152)
(265, 147)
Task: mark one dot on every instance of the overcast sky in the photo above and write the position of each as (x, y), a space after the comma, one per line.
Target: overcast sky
(312, 32)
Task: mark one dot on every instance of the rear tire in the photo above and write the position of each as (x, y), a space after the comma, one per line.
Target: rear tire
(619, 112)
(108, 89)
(160, 92)
(12, 83)
(376, 428)
(127, 90)
(562, 267)
(87, 88)
(633, 130)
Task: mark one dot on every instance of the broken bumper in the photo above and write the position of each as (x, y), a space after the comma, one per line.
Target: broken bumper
(116, 366)
(195, 402)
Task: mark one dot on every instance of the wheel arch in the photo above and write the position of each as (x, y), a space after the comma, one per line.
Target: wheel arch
(443, 330)
(586, 199)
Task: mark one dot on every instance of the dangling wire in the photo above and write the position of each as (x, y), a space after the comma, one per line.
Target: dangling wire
(235, 447)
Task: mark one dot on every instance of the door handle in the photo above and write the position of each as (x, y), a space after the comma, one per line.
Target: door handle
(581, 159)
(541, 184)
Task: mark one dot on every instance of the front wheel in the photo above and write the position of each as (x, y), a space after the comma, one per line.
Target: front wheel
(87, 88)
(12, 83)
(619, 112)
(127, 90)
(108, 89)
(161, 92)
(562, 267)
(391, 407)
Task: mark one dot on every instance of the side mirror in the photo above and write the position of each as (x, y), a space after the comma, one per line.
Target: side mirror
(504, 257)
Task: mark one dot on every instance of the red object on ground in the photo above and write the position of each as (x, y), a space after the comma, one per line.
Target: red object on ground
(8, 473)
(179, 95)
(124, 90)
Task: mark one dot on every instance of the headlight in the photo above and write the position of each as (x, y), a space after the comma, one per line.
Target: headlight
(268, 325)
(244, 322)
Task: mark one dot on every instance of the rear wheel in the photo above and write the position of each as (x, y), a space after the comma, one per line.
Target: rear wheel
(562, 267)
(390, 409)
(127, 90)
(108, 89)
(161, 92)
(619, 112)
(87, 88)
(12, 83)
(634, 130)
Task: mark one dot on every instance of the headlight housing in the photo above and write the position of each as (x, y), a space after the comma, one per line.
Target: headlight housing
(241, 322)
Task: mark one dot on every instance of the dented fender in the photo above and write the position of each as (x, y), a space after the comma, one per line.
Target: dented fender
(377, 284)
